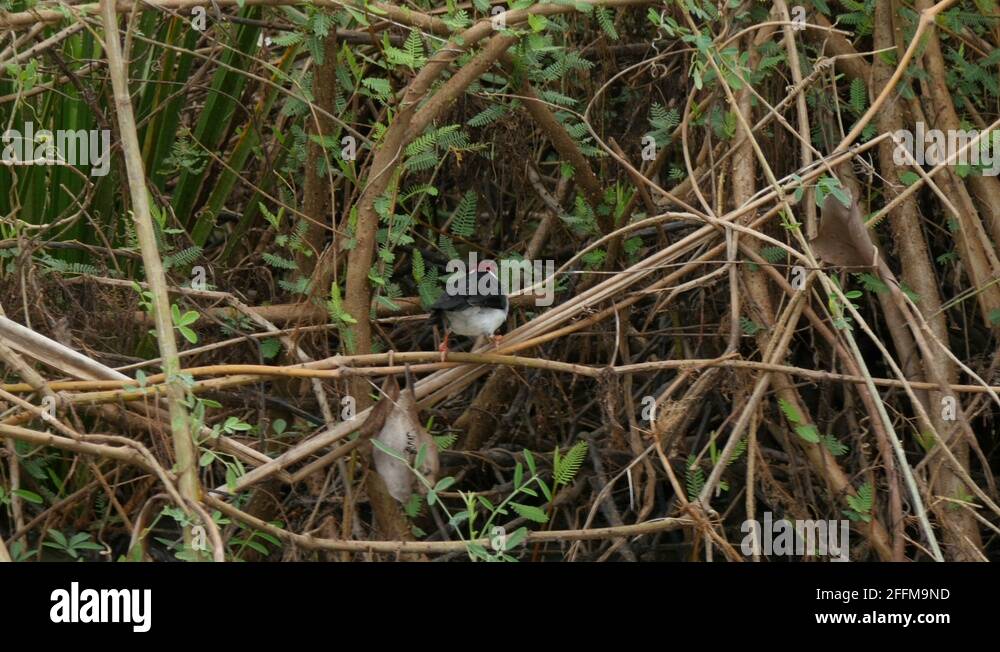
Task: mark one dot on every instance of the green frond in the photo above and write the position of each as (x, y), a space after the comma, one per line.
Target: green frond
(694, 478)
(487, 116)
(417, 265)
(567, 466)
(182, 258)
(463, 223)
(859, 96)
(789, 410)
(772, 254)
(607, 22)
(279, 262)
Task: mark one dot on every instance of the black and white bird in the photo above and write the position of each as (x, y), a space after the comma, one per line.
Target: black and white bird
(479, 310)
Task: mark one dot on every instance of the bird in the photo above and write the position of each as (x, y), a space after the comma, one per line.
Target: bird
(403, 433)
(473, 312)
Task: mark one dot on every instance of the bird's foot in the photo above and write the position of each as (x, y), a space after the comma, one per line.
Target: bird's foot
(496, 339)
(444, 348)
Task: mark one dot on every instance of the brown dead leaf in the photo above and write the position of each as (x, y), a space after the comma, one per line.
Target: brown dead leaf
(843, 239)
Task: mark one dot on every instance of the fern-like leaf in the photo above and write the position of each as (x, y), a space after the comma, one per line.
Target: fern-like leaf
(487, 116)
(694, 478)
(772, 254)
(859, 96)
(463, 223)
(279, 262)
(607, 22)
(567, 466)
(790, 412)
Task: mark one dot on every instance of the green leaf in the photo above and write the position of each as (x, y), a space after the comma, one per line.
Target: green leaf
(537, 23)
(391, 452)
(606, 20)
(749, 327)
(444, 442)
(529, 460)
(568, 466)
(834, 445)
(872, 283)
(545, 489)
(790, 412)
(444, 483)
(477, 551)
(463, 222)
(29, 496)
(58, 537)
(188, 334)
(188, 318)
(516, 538)
(694, 478)
(257, 546)
(269, 348)
(530, 512)
(772, 254)
(808, 432)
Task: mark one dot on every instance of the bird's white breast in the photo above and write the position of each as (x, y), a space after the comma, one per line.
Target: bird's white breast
(475, 321)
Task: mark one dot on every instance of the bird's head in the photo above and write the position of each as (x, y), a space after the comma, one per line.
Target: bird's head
(488, 267)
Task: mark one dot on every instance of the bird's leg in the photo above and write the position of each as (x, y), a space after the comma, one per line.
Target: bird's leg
(497, 339)
(444, 345)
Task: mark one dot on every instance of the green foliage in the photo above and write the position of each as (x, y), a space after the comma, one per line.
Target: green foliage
(183, 258)
(773, 254)
(859, 96)
(182, 322)
(463, 221)
(66, 268)
(444, 442)
(694, 478)
(606, 20)
(828, 185)
(749, 327)
(336, 308)
(663, 123)
(806, 431)
(859, 16)
(379, 88)
(73, 545)
(566, 467)
(834, 445)
(278, 262)
(872, 283)
(487, 116)
(861, 505)
(411, 55)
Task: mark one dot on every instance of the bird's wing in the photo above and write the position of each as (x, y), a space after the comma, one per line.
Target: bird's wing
(498, 301)
(450, 302)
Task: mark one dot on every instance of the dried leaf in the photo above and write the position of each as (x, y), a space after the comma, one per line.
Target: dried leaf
(843, 239)
(403, 433)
